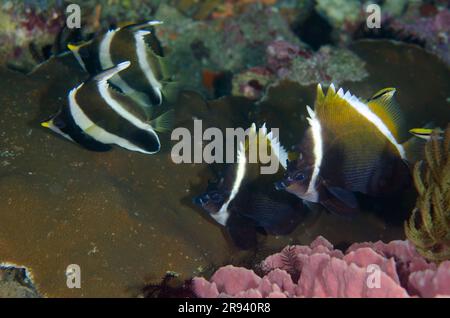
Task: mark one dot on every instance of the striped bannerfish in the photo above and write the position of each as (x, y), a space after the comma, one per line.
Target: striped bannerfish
(244, 200)
(97, 116)
(351, 146)
(137, 43)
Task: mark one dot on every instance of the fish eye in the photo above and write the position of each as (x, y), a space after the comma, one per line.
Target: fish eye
(299, 176)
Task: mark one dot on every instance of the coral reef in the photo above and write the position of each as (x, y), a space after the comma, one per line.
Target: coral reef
(110, 211)
(376, 269)
(431, 25)
(348, 11)
(225, 44)
(29, 30)
(23, 24)
(429, 225)
(285, 60)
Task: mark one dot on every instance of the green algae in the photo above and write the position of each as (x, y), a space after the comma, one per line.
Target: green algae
(329, 65)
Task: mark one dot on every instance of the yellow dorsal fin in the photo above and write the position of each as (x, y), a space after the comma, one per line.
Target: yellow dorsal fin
(384, 105)
(319, 94)
(346, 136)
(274, 147)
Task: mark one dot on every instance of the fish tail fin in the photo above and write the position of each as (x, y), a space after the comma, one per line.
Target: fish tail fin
(415, 145)
(414, 149)
(164, 122)
(170, 91)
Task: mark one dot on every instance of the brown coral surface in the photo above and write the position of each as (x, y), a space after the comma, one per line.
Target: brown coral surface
(126, 218)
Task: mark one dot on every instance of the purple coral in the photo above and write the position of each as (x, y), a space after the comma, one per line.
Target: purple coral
(322, 271)
(433, 30)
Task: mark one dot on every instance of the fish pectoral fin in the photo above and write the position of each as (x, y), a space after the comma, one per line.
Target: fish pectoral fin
(341, 201)
(415, 148)
(170, 91)
(164, 122)
(275, 216)
(345, 196)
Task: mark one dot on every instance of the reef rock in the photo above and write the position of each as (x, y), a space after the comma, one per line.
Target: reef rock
(16, 283)
(366, 270)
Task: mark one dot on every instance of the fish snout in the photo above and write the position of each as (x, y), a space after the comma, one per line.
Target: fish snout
(280, 185)
(200, 200)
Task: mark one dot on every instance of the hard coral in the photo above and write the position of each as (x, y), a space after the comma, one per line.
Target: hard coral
(376, 269)
(429, 225)
(285, 60)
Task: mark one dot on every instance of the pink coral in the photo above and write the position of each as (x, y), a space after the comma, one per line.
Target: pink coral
(377, 269)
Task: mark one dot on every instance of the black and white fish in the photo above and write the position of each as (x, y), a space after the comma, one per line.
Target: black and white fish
(137, 43)
(351, 147)
(97, 116)
(244, 200)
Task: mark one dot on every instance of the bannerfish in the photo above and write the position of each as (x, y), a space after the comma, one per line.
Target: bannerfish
(426, 133)
(97, 116)
(244, 201)
(351, 146)
(137, 43)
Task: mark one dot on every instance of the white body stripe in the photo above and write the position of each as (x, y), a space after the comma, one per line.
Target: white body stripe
(141, 51)
(106, 61)
(365, 111)
(115, 105)
(222, 216)
(96, 132)
(311, 194)
(104, 49)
